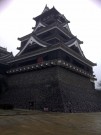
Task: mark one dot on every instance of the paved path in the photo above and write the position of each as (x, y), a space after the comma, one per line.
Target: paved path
(33, 123)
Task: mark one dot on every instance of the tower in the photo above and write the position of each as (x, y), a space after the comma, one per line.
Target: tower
(50, 72)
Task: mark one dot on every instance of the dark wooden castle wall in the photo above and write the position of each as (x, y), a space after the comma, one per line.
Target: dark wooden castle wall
(56, 54)
(54, 88)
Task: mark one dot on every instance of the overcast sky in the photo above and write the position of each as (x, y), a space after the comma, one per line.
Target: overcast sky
(85, 23)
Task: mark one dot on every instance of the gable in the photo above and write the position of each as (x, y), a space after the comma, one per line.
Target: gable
(75, 46)
(39, 25)
(32, 41)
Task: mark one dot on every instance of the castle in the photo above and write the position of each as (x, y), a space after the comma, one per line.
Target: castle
(50, 72)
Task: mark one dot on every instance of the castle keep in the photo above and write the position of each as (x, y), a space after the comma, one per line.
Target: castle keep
(50, 72)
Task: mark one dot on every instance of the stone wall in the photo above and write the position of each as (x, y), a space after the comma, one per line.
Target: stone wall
(37, 89)
(52, 88)
(78, 92)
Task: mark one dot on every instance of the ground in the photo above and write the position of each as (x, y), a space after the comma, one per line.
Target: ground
(24, 122)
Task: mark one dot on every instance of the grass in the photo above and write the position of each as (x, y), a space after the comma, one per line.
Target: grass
(22, 122)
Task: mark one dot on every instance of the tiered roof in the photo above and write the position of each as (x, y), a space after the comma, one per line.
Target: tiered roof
(5, 56)
(47, 12)
(51, 32)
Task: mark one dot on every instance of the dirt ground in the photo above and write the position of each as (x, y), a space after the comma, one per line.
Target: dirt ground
(45, 123)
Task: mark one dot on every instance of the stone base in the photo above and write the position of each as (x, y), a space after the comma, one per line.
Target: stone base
(51, 89)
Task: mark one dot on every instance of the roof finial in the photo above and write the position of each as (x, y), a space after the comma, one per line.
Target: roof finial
(45, 9)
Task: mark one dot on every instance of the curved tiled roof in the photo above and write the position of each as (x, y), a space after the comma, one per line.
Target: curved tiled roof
(35, 39)
(24, 37)
(46, 13)
(52, 48)
(73, 40)
(6, 58)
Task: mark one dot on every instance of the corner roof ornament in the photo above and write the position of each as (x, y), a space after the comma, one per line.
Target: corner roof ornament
(45, 9)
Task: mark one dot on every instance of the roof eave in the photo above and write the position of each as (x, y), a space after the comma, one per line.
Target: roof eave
(24, 37)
